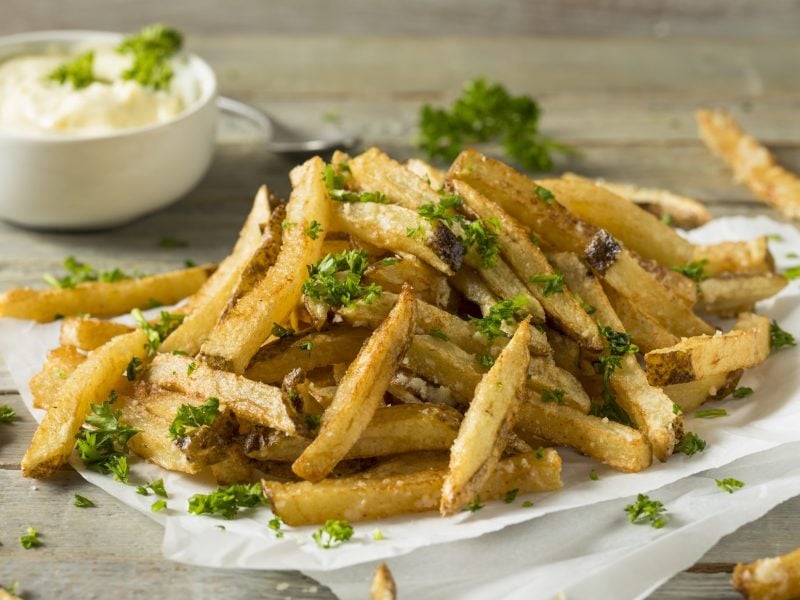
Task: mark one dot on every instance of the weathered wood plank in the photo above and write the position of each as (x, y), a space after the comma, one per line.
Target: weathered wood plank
(15, 437)
(716, 18)
(696, 586)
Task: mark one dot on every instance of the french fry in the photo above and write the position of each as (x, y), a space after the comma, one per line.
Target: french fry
(275, 360)
(673, 209)
(360, 391)
(750, 256)
(544, 374)
(775, 578)
(402, 231)
(61, 362)
(504, 283)
(444, 363)
(487, 423)
(729, 294)
(210, 300)
(751, 162)
(473, 288)
(374, 171)
(361, 498)
(429, 285)
(433, 176)
(101, 298)
(620, 447)
(243, 328)
(692, 394)
(254, 401)
(645, 331)
(393, 430)
(702, 356)
(90, 383)
(636, 228)
(88, 334)
(527, 261)
(383, 586)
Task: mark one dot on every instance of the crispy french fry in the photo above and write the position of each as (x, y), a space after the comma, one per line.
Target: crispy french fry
(361, 498)
(751, 162)
(212, 297)
(750, 256)
(254, 401)
(444, 363)
(61, 362)
(620, 447)
(504, 283)
(473, 288)
(528, 262)
(243, 328)
(675, 209)
(429, 284)
(545, 375)
(729, 294)
(374, 171)
(646, 332)
(101, 298)
(636, 228)
(434, 177)
(360, 391)
(775, 578)
(487, 423)
(699, 357)
(88, 334)
(383, 586)
(275, 360)
(692, 394)
(90, 383)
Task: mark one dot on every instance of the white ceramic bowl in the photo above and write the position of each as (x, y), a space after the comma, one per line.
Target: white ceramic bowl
(77, 182)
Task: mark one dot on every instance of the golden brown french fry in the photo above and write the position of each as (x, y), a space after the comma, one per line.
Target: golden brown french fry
(698, 357)
(234, 468)
(88, 334)
(393, 430)
(487, 423)
(434, 177)
(428, 283)
(473, 288)
(729, 294)
(545, 375)
(360, 498)
(275, 360)
(750, 256)
(61, 362)
(243, 328)
(101, 298)
(528, 262)
(360, 391)
(400, 230)
(692, 394)
(444, 363)
(751, 162)
(775, 578)
(383, 586)
(209, 302)
(254, 401)
(636, 228)
(374, 171)
(620, 447)
(504, 283)
(682, 287)
(645, 331)
(673, 209)
(90, 383)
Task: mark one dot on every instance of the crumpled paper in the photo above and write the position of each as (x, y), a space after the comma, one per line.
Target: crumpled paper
(765, 421)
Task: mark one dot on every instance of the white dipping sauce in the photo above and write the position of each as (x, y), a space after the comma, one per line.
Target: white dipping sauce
(31, 103)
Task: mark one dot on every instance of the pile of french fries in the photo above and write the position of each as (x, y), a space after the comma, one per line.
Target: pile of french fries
(398, 339)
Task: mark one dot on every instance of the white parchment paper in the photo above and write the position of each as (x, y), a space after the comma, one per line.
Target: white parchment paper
(760, 427)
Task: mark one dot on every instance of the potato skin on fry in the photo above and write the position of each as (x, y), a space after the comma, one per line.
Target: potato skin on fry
(775, 578)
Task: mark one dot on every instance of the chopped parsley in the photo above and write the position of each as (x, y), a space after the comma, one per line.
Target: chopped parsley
(80, 272)
(527, 504)
(774, 237)
(287, 225)
(619, 345)
(778, 338)
(486, 112)
(792, 272)
(275, 525)
(188, 418)
(545, 194)
(151, 48)
(475, 505)
(742, 392)
(690, 444)
(313, 421)
(510, 496)
(482, 237)
(442, 210)
(676, 408)
(593, 475)
(555, 395)
(695, 270)
(485, 361)
(7, 414)
(158, 331)
(157, 486)
(668, 219)
(226, 502)
(102, 441)
(172, 242)
(336, 279)
(307, 346)
(191, 368)
(414, 232)
(540, 453)
(82, 501)
(711, 413)
(553, 283)
(377, 535)
(504, 312)
(645, 510)
(314, 229)
(30, 539)
(281, 332)
(78, 72)
(334, 533)
(587, 308)
(729, 484)
(438, 333)
(133, 368)
(158, 505)
(336, 184)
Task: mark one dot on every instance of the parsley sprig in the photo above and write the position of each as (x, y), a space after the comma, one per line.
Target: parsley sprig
(102, 441)
(7, 414)
(78, 72)
(82, 502)
(645, 510)
(482, 237)
(30, 539)
(225, 502)
(81, 272)
(691, 444)
(442, 210)
(336, 279)
(158, 331)
(334, 533)
(485, 112)
(188, 418)
(553, 283)
(505, 312)
(618, 345)
(729, 484)
(778, 338)
(151, 48)
(337, 187)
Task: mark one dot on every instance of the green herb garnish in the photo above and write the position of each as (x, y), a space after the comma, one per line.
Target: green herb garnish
(475, 505)
(645, 510)
(133, 368)
(188, 418)
(482, 237)
(281, 332)
(80, 272)
(158, 505)
(729, 484)
(78, 72)
(158, 331)
(619, 345)
(334, 533)
(711, 413)
(593, 475)
(504, 312)
(695, 270)
(336, 184)
(314, 229)
(7, 414)
(485, 361)
(226, 502)
(30, 539)
(336, 279)
(742, 392)
(778, 338)
(442, 210)
(438, 333)
(691, 444)
(82, 501)
(555, 395)
(545, 194)
(275, 525)
(307, 346)
(151, 48)
(587, 308)
(103, 441)
(553, 283)
(510, 496)
(792, 272)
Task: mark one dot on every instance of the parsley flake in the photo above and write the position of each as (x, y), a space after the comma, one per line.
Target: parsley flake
(336, 279)
(7, 414)
(377, 535)
(778, 338)
(593, 475)
(158, 331)
(151, 48)
(30, 539)
(314, 229)
(442, 210)
(158, 505)
(275, 525)
(133, 368)
(226, 502)
(510, 496)
(80, 272)
(645, 510)
(553, 283)
(527, 504)
(485, 361)
(555, 395)
(504, 312)
(545, 194)
(742, 392)
(78, 72)
(188, 418)
(438, 333)
(281, 332)
(711, 413)
(482, 237)
(103, 440)
(475, 505)
(82, 501)
(729, 484)
(792, 272)
(690, 444)
(334, 533)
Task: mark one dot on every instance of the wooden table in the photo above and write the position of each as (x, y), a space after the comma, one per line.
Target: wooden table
(620, 83)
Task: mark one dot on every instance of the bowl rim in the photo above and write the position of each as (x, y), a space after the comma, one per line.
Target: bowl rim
(200, 69)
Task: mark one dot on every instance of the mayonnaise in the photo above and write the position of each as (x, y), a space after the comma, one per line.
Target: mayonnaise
(31, 103)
